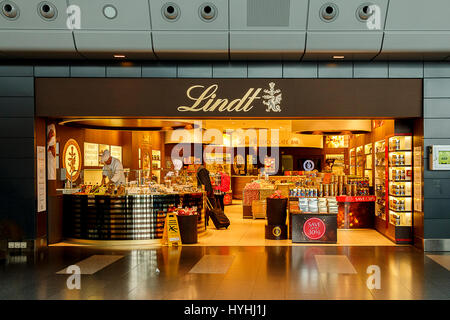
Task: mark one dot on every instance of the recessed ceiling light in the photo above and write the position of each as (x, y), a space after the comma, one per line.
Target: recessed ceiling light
(338, 57)
(119, 56)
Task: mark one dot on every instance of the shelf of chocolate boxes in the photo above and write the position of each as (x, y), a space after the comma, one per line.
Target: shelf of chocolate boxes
(315, 197)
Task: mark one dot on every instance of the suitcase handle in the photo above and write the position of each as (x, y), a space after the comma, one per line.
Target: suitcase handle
(208, 204)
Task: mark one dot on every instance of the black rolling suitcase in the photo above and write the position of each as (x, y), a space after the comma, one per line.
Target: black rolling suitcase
(218, 217)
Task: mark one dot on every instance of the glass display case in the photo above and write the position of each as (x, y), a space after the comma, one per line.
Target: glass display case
(400, 180)
(380, 179)
(368, 163)
(360, 161)
(352, 161)
(156, 166)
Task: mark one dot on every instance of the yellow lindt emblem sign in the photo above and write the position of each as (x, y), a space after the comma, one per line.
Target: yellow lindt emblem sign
(171, 234)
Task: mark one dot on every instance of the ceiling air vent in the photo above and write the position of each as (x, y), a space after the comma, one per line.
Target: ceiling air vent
(208, 12)
(47, 10)
(9, 10)
(329, 12)
(364, 12)
(171, 11)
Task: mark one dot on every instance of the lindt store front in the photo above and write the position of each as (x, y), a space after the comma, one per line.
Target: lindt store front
(340, 154)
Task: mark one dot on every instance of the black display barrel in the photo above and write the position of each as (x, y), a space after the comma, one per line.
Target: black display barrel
(188, 228)
(276, 211)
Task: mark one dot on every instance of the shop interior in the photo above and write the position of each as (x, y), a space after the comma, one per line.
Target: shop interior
(356, 172)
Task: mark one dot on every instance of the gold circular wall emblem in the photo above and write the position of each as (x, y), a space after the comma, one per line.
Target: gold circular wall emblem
(72, 159)
(276, 231)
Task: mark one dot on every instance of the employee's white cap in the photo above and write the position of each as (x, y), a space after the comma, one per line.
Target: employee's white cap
(105, 155)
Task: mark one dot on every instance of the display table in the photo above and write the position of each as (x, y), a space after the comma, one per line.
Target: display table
(131, 217)
(356, 212)
(313, 227)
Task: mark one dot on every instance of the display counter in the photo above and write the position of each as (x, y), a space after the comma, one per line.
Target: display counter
(130, 217)
(356, 212)
(238, 183)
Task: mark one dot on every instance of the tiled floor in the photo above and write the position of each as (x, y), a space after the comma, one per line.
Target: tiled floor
(229, 272)
(237, 263)
(249, 232)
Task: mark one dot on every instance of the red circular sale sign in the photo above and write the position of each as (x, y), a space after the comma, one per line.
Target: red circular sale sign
(314, 228)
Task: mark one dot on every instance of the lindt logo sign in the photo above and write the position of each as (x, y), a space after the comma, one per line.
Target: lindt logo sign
(207, 99)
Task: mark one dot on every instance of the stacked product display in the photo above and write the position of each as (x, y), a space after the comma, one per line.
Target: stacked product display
(400, 180)
(380, 179)
(329, 185)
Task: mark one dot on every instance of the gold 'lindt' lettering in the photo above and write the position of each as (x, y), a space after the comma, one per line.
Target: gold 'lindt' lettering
(208, 95)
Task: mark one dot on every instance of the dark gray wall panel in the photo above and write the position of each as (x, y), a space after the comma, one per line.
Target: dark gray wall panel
(436, 189)
(17, 168)
(405, 70)
(17, 148)
(336, 70)
(88, 71)
(436, 88)
(11, 107)
(194, 70)
(300, 70)
(435, 174)
(124, 72)
(16, 71)
(16, 86)
(159, 70)
(436, 108)
(436, 128)
(437, 228)
(370, 70)
(230, 70)
(436, 209)
(52, 71)
(265, 70)
(16, 127)
(437, 70)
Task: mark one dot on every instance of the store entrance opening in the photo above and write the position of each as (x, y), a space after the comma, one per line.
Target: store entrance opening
(280, 182)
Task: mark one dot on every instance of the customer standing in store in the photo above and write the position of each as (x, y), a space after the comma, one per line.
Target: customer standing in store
(221, 186)
(113, 169)
(203, 178)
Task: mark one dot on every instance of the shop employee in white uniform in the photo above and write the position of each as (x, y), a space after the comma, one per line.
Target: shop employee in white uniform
(113, 169)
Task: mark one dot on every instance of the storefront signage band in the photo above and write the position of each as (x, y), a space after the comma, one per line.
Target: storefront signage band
(252, 98)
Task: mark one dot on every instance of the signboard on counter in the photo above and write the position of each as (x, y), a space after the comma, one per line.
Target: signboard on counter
(91, 154)
(41, 184)
(310, 227)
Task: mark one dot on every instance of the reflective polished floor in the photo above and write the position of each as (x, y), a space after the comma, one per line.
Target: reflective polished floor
(227, 272)
(237, 263)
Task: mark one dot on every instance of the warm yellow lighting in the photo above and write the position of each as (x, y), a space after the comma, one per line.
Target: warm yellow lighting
(338, 57)
(119, 56)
